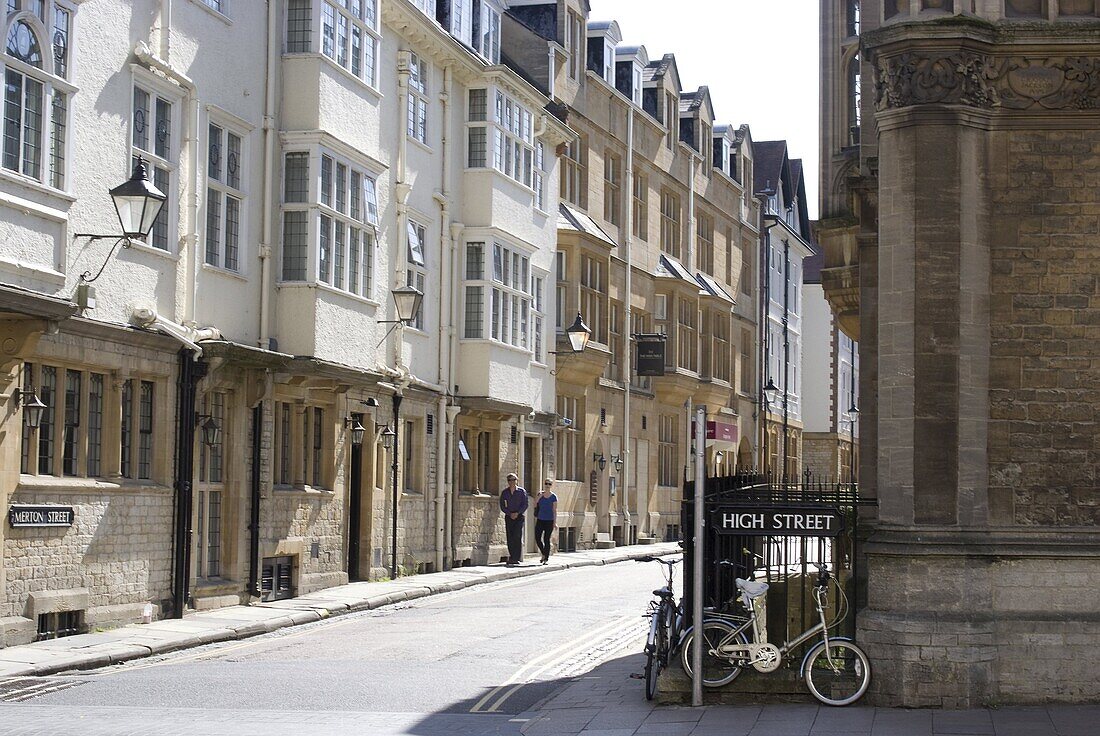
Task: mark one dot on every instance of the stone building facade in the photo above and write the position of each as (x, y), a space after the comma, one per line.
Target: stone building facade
(656, 236)
(959, 231)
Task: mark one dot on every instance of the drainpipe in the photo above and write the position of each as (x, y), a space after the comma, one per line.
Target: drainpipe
(452, 494)
(165, 29)
(447, 257)
(254, 502)
(191, 372)
(626, 233)
(271, 169)
(786, 345)
(402, 188)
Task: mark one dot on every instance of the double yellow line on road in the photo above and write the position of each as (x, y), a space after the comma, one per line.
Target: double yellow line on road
(537, 666)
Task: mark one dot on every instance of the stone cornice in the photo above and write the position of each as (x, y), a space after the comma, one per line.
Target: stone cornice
(1035, 67)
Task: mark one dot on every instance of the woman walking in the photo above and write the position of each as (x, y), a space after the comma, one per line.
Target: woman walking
(546, 514)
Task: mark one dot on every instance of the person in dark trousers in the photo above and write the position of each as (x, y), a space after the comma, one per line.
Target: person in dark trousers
(513, 504)
(546, 515)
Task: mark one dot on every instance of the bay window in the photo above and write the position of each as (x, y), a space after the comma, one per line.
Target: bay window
(488, 42)
(570, 440)
(349, 35)
(345, 211)
(416, 271)
(508, 132)
(504, 301)
(593, 296)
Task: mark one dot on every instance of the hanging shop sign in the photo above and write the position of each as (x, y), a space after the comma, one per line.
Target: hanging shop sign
(788, 520)
(650, 354)
(21, 515)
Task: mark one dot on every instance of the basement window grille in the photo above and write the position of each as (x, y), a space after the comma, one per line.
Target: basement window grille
(59, 624)
(276, 580)
(515, 434)
(430, 424)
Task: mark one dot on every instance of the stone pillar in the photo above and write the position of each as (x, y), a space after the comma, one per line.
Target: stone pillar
(984, 567)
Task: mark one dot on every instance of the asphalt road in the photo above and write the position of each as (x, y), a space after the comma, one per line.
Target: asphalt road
(463, 662)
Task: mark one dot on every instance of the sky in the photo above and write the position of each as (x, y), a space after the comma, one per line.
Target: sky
(758, 57)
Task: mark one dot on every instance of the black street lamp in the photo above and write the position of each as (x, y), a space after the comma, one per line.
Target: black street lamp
(32, 407)
(138, 202)
(617, 461)
(211, 430)
(358, 431)
(579, 334)
(771, 392)
(387, 436)
(407, 299)
(600, 460)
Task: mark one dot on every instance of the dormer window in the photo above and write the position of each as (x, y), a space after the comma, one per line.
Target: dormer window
(427, 7)
(672, 119)
(462, 21)
(603, 37)
(636, 85)
(630, 61)
(488, 40)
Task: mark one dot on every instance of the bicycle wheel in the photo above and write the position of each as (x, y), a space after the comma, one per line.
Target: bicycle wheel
(717, 670)
(651, 672)
(840, 676)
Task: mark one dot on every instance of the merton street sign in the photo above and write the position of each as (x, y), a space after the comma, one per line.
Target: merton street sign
(789, 520)
(20, 515)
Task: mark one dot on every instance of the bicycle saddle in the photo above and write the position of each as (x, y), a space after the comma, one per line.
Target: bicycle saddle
(752, 588)
(662, 592)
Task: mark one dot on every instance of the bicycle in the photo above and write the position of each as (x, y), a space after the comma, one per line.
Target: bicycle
(835, 669)
(664, 627)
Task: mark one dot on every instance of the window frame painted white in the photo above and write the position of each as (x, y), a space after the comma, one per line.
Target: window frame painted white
(158, 90)
(360, 62)
(229, 126)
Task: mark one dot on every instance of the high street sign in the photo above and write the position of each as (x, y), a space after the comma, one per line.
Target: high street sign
(791, 520)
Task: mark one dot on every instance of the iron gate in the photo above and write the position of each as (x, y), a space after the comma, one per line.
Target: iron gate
(775, 529)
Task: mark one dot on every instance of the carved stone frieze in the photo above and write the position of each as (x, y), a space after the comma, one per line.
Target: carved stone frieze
(987, 82)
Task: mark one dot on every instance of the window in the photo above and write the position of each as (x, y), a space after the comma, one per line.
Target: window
(418, 98)
(69, 438)
(570, 439)
(614, 370)
(313, 428)
(416, 271)
(575, 44)
(488, 43)
(640, 213)
(574, 173)
(510, 129)
(136, 435)
(426, 6)
(612, 187)
(855, 92)
(462, 21)
(223, 197)
(608, 71)
(667, 436)
(538, 319)
(347, 222)
(153, 136)
(639, 325)
(687, 335)
(211, 486)
(720, 346)
(746, 362)
(704, 237)
(593, 295)
(349, 35)
(222, 6)
(636, 84)
(36, 94)
(409, 466)
(560, 291)
(672, 119)
(298, 26)
(515, 307)
(284, 446)
(705, 146)
(670, 223)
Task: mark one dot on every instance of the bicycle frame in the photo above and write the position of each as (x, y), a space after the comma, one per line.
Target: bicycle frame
(730, 648)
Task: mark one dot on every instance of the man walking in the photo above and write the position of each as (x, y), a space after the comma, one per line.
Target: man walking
(513, 504)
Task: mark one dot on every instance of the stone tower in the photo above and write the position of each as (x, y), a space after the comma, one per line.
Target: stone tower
(960, 219)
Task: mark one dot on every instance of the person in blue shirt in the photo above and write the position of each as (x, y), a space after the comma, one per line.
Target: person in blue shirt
(546, 515)
(513, 504)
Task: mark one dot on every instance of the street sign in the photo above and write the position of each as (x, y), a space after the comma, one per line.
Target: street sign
(26, 515)
(650, 354)
(789, 520)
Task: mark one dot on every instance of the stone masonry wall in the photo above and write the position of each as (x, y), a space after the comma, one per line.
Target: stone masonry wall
(1044, 445)
(119, 548)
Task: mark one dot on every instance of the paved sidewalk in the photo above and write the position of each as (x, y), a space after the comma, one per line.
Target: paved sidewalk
(608, 702)
(87, 651)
